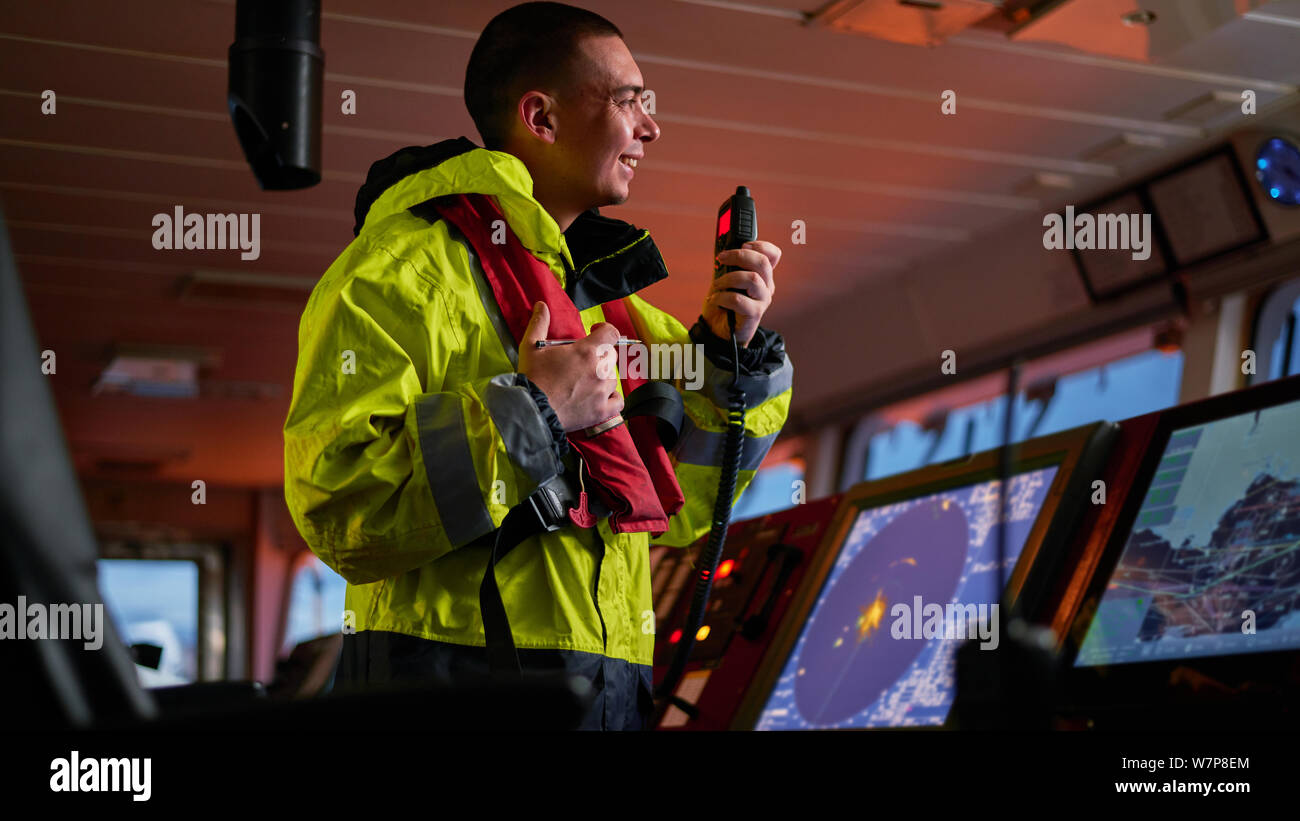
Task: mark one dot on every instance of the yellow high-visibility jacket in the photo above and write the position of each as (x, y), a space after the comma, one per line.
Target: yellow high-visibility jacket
(409, 435)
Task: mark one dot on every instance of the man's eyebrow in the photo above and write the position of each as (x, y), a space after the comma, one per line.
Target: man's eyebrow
(633, 89)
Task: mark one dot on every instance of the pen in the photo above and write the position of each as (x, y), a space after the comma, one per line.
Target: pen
(546, 343)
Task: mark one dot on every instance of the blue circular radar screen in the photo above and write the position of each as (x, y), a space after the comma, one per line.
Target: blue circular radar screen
(849, 658)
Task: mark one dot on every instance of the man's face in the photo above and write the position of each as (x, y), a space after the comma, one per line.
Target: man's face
(600, 124)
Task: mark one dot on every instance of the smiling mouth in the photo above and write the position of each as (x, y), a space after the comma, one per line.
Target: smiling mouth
(630, 162)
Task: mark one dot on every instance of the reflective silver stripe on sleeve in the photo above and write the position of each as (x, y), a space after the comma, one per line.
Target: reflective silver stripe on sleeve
(450, 468)
(485, 297)
(528, 439)
(758, 389)
(702, 447)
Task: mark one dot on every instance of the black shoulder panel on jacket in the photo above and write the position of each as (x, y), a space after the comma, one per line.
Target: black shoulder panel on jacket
(613, 259)
(393, 168)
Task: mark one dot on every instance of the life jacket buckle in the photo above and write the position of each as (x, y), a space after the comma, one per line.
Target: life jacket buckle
(548, 507)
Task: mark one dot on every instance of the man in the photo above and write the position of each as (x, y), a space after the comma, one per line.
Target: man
(421, 415)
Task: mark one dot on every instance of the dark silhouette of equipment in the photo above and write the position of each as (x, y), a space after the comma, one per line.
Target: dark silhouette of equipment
(276, 67)
(48, 551)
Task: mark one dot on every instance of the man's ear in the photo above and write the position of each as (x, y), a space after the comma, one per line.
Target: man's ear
(537, 111)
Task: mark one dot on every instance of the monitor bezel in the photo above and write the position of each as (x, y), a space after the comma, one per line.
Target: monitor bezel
(1064, 502)
(1114, 684)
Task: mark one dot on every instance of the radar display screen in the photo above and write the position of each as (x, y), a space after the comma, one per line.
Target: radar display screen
(911, 582)
(1210, 565)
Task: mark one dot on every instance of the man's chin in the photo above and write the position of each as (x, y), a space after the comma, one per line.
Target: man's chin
(609, 196)
(616, 197)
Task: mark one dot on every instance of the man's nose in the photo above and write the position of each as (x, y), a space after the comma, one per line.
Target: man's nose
(649, 129)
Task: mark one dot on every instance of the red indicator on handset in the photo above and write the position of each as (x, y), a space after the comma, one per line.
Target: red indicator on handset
(724, 222)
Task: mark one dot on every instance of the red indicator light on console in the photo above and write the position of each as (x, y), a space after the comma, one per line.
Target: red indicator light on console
(724, 569)
(675, 637)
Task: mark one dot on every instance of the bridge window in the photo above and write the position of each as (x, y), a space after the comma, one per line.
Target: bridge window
(315, 603)
(773, 489)
(1121, 389)
(156, 602)
(1277, 334)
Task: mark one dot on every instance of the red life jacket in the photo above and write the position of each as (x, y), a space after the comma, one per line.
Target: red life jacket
(632, 474)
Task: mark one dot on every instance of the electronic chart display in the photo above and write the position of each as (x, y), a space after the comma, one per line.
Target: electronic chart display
(1211, 565)
(912, 581)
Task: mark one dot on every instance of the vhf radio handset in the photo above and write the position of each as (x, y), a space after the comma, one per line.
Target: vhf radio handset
(737, 225)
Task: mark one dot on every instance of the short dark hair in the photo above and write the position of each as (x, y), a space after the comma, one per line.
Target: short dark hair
(532, 45)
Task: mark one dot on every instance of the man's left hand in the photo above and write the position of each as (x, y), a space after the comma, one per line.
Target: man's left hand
(756, 261)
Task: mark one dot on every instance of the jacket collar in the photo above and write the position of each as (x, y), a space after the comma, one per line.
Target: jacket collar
(598, 258)
(613, 259)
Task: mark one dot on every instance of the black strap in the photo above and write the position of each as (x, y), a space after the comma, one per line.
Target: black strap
(503, 660)
(662, 401)
(547, 509)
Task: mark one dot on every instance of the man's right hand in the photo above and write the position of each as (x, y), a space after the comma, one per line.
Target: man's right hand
(579, 380)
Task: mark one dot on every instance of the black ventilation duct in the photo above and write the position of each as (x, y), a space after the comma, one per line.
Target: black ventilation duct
(276, 66)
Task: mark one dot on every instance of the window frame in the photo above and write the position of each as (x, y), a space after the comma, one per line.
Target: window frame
(296, 564)
(1270, 319)
(211, 642)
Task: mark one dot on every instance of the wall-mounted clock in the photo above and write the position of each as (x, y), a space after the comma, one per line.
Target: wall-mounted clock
(1277, 169)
